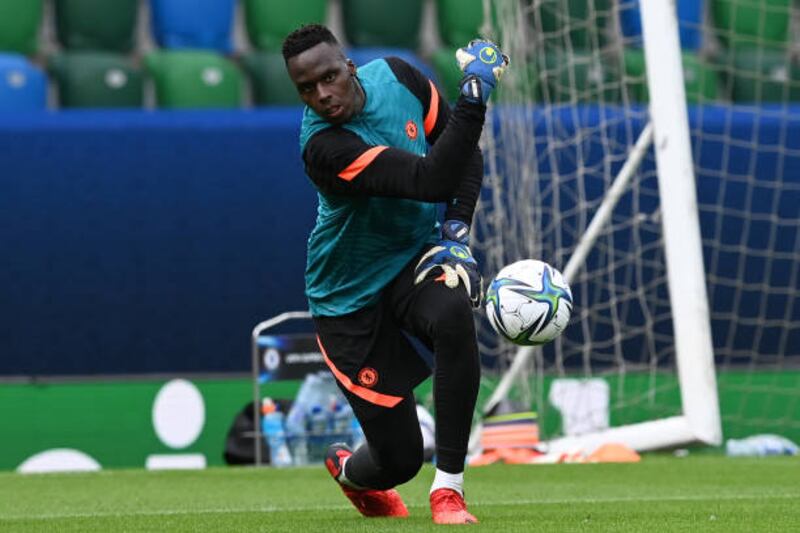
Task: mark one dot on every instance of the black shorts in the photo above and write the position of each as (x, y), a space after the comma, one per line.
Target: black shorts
(373, 353)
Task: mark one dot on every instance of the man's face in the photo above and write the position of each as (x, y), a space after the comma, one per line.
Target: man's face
(325, 81)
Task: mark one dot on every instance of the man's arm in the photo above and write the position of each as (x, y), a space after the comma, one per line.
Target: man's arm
(435, 109)
(340, 162)
(451, 256)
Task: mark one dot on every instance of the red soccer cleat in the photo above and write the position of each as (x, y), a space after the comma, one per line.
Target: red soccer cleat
(369, 502)
(448, 507)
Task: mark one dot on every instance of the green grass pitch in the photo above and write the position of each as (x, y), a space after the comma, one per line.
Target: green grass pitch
(662, 493)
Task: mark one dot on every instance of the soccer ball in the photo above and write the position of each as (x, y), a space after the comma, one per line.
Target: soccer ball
(529, 302)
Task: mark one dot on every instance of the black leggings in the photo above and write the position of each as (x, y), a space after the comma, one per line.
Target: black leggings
(442, 319)
(393, 454)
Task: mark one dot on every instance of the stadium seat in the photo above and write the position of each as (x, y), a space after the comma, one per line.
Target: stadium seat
(749, 23)
(450, 75)
(268, 78)
(194, 79)
(635, 79)
(761, 75)
(690, 22)
(269, 21)
(578, 77)
(96, 24)
(197, 24)
(382, 22)
(582, 23)
(96, 79)
(459, 20)
(521, 87)
(700, 79)
(19, 25)
(23, 87)
(363, 55)
(447, 71)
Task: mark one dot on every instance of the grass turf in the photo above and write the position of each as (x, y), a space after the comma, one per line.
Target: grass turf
(697, 493)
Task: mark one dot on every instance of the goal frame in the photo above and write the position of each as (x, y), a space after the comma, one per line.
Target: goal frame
(700, 419)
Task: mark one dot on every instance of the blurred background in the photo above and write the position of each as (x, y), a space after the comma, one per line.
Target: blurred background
(154, 209)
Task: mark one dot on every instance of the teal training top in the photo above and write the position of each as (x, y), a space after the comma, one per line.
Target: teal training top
(359, 244)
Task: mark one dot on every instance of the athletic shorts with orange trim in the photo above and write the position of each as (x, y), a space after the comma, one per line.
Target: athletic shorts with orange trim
(373, 361)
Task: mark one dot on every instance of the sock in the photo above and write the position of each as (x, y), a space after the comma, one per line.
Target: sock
(446, 480)
(343, 477)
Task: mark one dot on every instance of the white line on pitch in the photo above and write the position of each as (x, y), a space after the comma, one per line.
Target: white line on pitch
(273, 509)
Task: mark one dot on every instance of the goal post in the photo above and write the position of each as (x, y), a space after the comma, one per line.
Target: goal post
(681, 223)
(637, 268)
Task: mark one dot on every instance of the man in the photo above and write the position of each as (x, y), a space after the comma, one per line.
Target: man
(381, 270)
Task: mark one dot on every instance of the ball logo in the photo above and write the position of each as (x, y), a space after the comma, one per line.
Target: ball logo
(488, 55)
(368, 377)
(411, 130)
(459, 252)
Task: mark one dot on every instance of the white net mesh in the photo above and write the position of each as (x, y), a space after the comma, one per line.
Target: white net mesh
(569, 111)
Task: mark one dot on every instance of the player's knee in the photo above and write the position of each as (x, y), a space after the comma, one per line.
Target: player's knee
(455, 314)
(404, 467)
(402, 461)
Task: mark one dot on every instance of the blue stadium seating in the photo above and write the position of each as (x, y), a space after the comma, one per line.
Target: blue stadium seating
(204, 24)
(23, 87)
(690, 21)
(364, 54)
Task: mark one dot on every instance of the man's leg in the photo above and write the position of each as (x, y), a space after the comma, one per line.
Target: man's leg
(442, 318)
(391, 455)
(376, 368)
(393, 451)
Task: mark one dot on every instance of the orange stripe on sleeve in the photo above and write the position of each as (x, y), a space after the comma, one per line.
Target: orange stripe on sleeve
(433, 110)
(384, 400)
(361, 162)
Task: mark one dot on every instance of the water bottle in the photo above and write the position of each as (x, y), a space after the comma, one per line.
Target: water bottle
(760, 445)
(296, 434)
(356, 433)
(317, 432)
(316, 389)
(272, 427)
(341, 415)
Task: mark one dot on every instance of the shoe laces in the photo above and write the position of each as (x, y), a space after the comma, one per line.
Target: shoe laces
(449, 500)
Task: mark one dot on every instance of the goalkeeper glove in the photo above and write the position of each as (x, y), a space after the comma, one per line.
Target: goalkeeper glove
(482, 63)
(454, 258)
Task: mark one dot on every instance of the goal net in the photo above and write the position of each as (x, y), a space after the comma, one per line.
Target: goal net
(684, 263)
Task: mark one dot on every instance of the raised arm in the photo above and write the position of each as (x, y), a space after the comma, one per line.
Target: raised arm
(435, 109)
(340, 162)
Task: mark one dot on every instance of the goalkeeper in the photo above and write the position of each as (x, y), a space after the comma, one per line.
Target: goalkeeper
(382, 147)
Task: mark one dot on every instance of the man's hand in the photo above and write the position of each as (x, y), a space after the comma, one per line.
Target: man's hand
(483, 64)
(454, 259)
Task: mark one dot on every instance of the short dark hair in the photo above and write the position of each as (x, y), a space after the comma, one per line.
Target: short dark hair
(306, 37)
